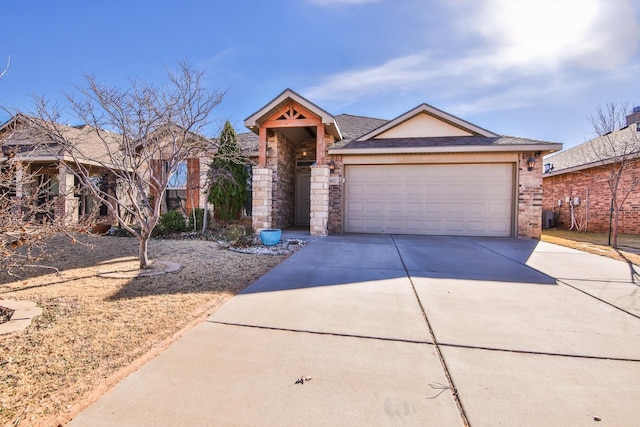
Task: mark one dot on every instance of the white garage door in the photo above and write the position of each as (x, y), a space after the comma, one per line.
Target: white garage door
(456, 200)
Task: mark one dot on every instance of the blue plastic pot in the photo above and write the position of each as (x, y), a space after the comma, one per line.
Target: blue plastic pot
(270, 236)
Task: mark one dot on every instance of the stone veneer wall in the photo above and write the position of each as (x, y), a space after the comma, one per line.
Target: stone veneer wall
(529, 198)
(592, 187)
(282, 161)
(319, 200)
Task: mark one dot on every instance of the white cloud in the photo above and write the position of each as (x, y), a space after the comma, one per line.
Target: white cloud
(523, 51)
(593, 34)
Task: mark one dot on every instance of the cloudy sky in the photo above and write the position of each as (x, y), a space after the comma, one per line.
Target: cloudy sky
(529, 68)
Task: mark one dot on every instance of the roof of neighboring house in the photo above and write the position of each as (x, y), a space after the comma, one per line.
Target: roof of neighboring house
(249, 143)
(596, 152)
(32, 140)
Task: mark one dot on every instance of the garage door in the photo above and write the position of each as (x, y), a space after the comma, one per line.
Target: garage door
(457, 200)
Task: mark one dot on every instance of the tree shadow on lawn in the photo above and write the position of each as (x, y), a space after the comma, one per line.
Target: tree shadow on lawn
(62, 255)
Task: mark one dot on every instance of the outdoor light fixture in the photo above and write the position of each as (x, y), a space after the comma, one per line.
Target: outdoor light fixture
(332, 166)
(304, 154)
(531, 163)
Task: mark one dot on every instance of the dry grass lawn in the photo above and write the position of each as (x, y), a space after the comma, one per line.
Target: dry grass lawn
(94, 331)
(597, 243)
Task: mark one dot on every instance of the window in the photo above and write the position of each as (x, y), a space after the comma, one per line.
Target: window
(179, 178)
(176, 195)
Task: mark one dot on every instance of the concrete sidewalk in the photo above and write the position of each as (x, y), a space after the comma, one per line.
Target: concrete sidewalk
(393, 330)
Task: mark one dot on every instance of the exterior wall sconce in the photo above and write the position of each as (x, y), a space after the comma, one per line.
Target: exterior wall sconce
(531, 163)
(332, 166)
(304, 154)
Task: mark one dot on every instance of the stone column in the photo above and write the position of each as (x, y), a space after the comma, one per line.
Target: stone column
(262, 193)
(66, 204)
(319, 200)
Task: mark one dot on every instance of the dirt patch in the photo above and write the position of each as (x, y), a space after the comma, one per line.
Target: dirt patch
(93, 330)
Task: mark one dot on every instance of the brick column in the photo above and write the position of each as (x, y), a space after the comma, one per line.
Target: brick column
(261, 213)
(529, 199)
(319, 200)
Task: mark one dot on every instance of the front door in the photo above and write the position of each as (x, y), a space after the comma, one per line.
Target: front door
(303, 198)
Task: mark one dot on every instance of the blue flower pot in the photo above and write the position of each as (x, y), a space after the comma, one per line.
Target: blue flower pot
(270, 236)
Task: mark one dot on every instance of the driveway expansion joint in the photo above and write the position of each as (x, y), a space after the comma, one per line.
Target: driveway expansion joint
(451, 385)
(538, 353)
(333, 334)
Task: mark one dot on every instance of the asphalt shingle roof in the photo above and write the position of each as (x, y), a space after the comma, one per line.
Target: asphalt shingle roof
(444, 141)
(598, 151)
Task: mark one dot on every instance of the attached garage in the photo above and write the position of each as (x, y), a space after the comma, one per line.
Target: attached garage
(434, 199)
(425, 172)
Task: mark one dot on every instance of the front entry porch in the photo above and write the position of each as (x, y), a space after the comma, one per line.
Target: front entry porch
(291, 180)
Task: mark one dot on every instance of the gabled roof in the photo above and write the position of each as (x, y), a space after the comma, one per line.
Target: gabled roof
(440, 115)
(449, 134)
(254, 120)
(596, 152)
(35, 143)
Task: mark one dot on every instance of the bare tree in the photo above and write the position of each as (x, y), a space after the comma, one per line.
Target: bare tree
(616, 148)
(27, 204)
(140, 137)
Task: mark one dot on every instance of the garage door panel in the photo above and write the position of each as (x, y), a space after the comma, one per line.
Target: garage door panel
(430, 199)
(455, 227)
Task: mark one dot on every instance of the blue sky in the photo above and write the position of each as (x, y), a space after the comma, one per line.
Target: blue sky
(529, 68)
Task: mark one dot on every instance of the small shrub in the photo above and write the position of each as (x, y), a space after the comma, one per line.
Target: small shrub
(172, 222)
(238, 235)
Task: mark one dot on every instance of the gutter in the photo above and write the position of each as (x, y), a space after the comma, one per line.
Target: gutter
(546, 149)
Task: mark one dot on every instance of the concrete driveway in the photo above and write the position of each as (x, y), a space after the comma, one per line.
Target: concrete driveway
(405, 330)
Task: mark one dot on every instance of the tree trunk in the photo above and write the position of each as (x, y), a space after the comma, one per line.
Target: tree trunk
(142, 253)
(205, 216)
(614, 231)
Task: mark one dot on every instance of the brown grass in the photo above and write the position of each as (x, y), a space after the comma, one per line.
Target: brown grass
(597, 243)
(94, 331)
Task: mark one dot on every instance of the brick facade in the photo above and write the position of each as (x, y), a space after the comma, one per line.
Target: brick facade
(592, 212)
(529, 198)
(335, 196)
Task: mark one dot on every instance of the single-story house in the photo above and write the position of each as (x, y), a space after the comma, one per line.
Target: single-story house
(576, 192)
(424, 172)
(34, 153)
(39, 165)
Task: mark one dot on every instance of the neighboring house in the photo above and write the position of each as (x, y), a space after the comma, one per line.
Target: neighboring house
(185, 190)
(576, 193)
(33, 153)
(424, 172)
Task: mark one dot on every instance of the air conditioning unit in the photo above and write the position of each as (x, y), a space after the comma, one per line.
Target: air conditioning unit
(548, 220)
